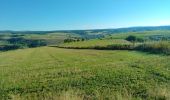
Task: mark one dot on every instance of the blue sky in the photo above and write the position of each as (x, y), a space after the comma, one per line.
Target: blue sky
(82, 14)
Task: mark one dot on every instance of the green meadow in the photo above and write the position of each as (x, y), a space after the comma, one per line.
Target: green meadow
(84, 49)
(93, 43)
(47, 73)
(107, 67)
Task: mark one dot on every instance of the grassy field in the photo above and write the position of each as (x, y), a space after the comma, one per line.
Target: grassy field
(144, 35)
(148, 41)
(50, 38)
(93, 43)
(53, 73)
(118, 70)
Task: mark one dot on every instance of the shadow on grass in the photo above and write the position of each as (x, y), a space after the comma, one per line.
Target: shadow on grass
(111, 48)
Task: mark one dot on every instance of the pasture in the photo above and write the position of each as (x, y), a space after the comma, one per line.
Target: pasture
(54, 73)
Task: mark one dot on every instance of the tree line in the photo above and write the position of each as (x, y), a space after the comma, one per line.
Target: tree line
(19, 42)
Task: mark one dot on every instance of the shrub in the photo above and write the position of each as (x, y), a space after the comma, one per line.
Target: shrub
(120, 47)
(131, 38)
(69, 40)
(82, 39)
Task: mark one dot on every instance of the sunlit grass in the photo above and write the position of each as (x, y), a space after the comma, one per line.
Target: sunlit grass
(94, 43)
(51, 73)
(144, 34)
(155, 47)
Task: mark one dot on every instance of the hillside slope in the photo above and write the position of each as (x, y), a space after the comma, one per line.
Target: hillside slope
(53, 73)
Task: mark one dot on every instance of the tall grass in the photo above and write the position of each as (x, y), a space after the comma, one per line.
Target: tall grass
(155, 47)
(107, 47)
(99, 45)
(159, 47)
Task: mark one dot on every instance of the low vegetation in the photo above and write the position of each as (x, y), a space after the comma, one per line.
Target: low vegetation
(155, 47)
(19, 43)
(131, 42)
(9, 47)
(53, 73)
(124, 66)
(132, 38)
(144, 35)
(13, 41)
(95, 43)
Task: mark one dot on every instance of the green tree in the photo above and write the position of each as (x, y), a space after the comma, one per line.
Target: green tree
(131, 38)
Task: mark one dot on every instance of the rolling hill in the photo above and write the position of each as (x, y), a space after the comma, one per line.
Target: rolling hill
(104, 65)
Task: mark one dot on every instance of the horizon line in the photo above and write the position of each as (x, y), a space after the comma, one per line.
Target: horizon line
(86, 29)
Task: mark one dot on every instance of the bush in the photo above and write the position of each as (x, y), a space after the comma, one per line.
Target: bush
(131, 38)
(73, 40)
(120, 47)
(69, 40)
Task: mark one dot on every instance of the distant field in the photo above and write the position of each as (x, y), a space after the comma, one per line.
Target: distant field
(53, 73)
(50, 38)
(117, 70)
(94, 43)
(144, 34)
(148, 41)
(58, 38)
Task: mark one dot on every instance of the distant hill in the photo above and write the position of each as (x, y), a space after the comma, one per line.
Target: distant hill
(94, 32)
